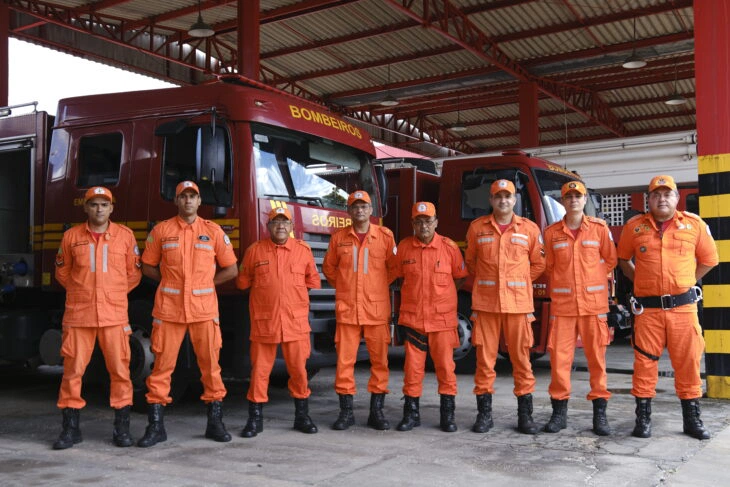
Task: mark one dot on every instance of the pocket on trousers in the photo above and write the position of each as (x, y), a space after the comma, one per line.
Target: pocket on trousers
(68, 350)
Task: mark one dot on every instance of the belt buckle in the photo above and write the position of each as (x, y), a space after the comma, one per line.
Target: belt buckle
(667, 301)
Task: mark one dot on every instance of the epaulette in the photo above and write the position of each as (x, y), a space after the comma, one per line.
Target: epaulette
(595, 219)
(691, 215)
(125, 228)
(635, 218)
(304, 244)
(251, 246)
(449, 242)
(559, 222)
(386, 231)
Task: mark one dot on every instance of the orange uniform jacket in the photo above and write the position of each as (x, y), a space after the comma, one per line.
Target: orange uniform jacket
(361, 274)
(578, 267)
(187, 255)
(428, 294)
(97, 275)
(504, 265)
(667, 264)
(279, 277)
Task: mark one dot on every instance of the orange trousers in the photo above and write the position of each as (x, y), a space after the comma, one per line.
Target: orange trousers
(167, 337)
(517, 330)
(681, 334)
(564, 333)
(441, 346)
(262, 361)
(76, 349)
(347, 341)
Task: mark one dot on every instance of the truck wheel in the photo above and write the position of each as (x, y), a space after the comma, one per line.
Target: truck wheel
(465, 354)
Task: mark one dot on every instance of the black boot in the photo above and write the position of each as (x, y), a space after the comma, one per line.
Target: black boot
(255, 423)
(484, 414)
(216, 430)
(692, 423)
(525, 424)
(155, 432)
(600, 422)
(559, 419)
(643, 418)
(346, 418)
(302, 421)
(448, 423)
(71, 432)
(411, 415)
(377, 420)
(120, 434)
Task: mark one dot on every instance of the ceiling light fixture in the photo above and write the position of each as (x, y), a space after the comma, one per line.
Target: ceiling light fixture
(458, 126)
(675, 98)
(389, 100)
(634, 61)
(200, 28)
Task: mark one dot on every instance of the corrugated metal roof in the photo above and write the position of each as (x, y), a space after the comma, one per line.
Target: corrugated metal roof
(440, 67)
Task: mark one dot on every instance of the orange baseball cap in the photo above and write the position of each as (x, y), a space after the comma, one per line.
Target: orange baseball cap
(98, 192)
(280, 212)
(358, 196)
(502, 185)
(662, 181)
(423, 208)
(185, 185)
(573, 186)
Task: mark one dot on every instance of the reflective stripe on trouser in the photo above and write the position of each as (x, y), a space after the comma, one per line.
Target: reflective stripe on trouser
(167, 337)
(262, 361)
(564, 331)
(347, 341)
(517, 331)
(76, 349)
(441, 346)
(681, 334)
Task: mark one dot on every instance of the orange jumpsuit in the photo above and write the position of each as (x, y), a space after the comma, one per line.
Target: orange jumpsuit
(578, 268)
(428, 308)
(666, 265)
(97, 276)
(504, 266)
(361, 275)
(186, 301)
(279, 277)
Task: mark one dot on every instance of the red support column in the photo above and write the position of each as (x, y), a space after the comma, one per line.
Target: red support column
(712, 78)
(248, 39)
(529, 115)
(4, 72)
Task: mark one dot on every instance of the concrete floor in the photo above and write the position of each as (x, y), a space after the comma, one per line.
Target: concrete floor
(29, 423)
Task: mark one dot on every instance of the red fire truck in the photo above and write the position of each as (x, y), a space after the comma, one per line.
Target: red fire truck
(461, 194)
(250, 148)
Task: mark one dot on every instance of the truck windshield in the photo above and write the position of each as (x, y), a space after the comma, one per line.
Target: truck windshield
(550, 183)
(301, 168)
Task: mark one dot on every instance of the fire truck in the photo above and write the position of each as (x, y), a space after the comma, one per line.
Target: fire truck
(250, 148)
(461, 194)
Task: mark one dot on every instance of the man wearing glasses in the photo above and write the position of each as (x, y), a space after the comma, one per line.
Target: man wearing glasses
(359, 264)
(280, 272)
(505, 255)
(432, 269)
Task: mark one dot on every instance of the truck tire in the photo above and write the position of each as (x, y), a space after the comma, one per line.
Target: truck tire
(464, 355)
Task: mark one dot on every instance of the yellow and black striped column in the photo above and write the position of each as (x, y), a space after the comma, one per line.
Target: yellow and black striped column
(712, 75)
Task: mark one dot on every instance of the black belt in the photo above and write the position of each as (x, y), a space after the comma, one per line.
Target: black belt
(669, 301)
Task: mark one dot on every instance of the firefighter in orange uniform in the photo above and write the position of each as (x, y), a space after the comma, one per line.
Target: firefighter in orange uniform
(359, 264)
(432, 269)
(672, 250)
(504, 254)
(280, 271)
(97, 264)
(181, 253)
(580, 255)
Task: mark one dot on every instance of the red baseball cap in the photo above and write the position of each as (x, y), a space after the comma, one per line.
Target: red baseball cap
(97, 192)
(184, 186)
